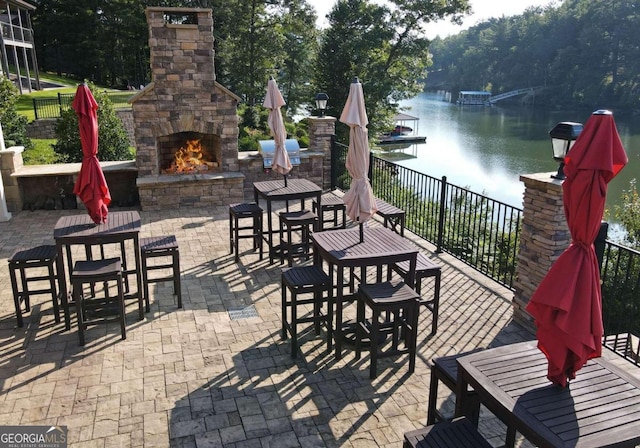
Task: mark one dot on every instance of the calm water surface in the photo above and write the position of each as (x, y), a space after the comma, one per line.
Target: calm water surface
(487, 148)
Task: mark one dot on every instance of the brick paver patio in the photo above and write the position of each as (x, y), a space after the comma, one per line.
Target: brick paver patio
(202, 376)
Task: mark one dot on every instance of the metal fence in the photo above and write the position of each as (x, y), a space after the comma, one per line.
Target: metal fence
(482, 232)
(620, 276)
(53, 107)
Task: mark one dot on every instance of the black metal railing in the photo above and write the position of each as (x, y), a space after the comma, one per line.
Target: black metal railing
(53, 107)
(620, 275)
(482, 232)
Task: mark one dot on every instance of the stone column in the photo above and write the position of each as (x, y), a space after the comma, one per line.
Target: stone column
(4, 212)
(10, 162)
(321, 129)
(544, 237)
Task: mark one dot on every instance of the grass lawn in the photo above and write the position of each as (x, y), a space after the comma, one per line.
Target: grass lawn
(42, 152)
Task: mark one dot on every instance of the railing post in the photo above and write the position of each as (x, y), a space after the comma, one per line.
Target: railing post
(35, 109)
(334, 158)
(599, 243)
(443, 196)
(370, 173)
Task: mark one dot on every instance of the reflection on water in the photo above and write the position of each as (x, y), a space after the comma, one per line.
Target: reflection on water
(488, 148)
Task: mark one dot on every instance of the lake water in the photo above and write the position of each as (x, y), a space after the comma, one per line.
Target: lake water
(487, 148)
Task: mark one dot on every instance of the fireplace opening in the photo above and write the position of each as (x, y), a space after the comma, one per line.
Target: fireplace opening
(189, 153)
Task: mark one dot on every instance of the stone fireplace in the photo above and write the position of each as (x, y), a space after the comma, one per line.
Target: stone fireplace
(186, 124)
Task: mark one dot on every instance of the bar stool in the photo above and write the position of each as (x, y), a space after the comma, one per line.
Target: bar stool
(303, 221)
(444, 369)
(98, 310)
(306, 280)
(393, 217)
(28, 258)
(331, 204)
(241, 211)
(399, 303)
(425, 268)
(160, 246)
(454, 434)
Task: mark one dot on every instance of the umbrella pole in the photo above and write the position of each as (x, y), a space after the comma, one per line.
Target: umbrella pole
(361, 232)
(285, 180)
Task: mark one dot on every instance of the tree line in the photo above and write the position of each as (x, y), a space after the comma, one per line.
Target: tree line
(383, 45)
(581, 53)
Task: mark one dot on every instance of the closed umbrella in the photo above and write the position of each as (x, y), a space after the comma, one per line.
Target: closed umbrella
(567, 305)
(91, 186)
(274, 101)
(359, 200)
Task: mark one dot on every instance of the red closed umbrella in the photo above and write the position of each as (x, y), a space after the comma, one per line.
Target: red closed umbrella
(567, 305)
(91, 186)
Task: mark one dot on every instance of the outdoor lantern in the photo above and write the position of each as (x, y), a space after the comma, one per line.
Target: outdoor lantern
(321, 103)
(563, 136)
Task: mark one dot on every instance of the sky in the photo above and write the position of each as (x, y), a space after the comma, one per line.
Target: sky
(482, 10)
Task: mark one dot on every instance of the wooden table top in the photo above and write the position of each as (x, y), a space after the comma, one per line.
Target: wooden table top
(276, 188)
(600, 408)
(81, 226)
(380, 245)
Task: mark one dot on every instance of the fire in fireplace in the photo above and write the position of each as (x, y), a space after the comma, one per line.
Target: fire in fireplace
(188, 152)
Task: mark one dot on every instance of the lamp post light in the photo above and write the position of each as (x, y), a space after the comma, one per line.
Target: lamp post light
(321, 103)
(563, 136)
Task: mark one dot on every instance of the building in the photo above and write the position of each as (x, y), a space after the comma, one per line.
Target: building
(17, 48)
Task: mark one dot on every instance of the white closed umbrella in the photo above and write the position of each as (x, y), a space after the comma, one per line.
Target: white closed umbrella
(359, 200)
(274, 101)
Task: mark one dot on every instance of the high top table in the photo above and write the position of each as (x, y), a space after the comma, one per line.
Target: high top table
(599, 408)
(274, 190)
(80, 229)
(343, 249)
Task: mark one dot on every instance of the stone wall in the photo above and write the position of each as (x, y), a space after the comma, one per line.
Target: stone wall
(321, 132)
(42, 128)
(544, 237)
(251, 166)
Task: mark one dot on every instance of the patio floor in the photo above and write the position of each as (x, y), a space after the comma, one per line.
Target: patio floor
(217, 374)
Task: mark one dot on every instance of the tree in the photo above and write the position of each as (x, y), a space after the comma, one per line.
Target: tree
(14, 125)
(384, 47)
(113, 143)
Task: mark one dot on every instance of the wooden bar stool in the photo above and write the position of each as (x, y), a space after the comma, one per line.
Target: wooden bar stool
(306, 280)
(161, 246)
(331, 204)
(393, 217)
(459, 433)
(444, 369)
(29, 258)
(425, 268)
(303, 221)
(242, 211)
(98, 310)
(398, 304)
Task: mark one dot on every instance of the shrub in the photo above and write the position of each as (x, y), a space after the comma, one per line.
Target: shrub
(113, 143)
(14, 126)
(629, 214)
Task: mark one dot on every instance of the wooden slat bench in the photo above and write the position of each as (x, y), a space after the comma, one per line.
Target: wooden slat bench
(393, 217)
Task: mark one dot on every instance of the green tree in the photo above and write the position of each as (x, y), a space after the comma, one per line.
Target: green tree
(385, 47)
(113, 143)
(14, 126)
(629, 214)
